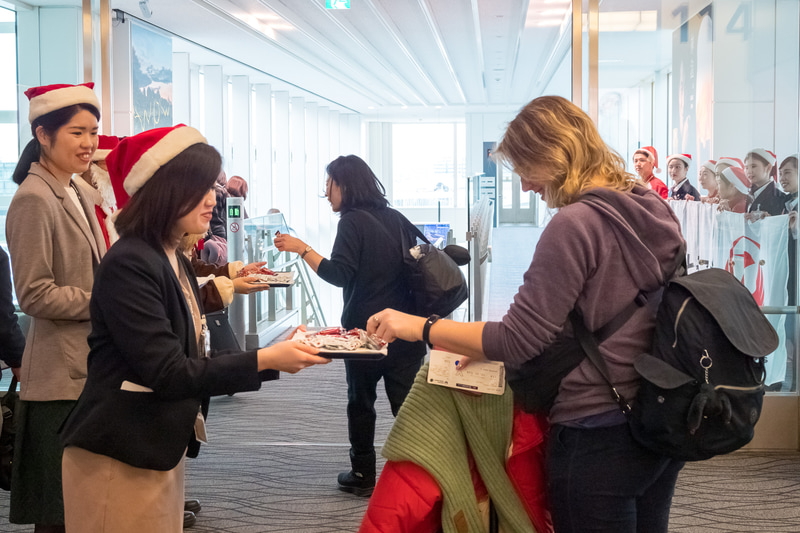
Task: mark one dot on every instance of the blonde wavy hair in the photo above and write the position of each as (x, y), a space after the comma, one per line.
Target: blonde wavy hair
(554, 137)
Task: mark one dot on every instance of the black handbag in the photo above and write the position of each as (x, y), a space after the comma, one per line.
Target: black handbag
(8, 404)
(435, 279)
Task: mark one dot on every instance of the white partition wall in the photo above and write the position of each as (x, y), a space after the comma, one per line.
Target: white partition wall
(261, 176)
(181, 89)
(280, 149)
(239, 152)
(297, 164)
(213, 104)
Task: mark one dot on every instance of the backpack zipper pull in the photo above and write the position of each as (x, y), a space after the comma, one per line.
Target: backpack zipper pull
(706, 363)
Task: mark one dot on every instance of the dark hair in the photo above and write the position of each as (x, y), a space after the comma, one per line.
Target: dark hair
(50, 122)
(360, 186)
(237, 187)
(171, 193)
(792, 160)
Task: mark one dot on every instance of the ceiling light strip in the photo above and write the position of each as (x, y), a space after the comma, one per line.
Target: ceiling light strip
(426, 10)
(332, 15)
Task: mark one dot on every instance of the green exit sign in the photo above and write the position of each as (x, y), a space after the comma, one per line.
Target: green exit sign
(337, 4)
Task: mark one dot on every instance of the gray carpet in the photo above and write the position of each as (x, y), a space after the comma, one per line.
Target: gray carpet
(274, 454)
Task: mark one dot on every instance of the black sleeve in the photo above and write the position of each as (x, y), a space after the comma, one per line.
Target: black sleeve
(340, 269)
(129, 296)
(12, 341)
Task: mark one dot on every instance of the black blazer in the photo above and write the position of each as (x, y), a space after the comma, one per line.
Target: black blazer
(12, 341)
(143, 334)
(771, 200)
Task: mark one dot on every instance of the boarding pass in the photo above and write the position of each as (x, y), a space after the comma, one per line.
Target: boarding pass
(479, 376)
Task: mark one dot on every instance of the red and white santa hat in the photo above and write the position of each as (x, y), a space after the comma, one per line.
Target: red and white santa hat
(737, 178)
(48, 98)
(651, 154)
(135, 159)
(686, 158)
(710, 165)
(105, 143)
(765, 154)
(730, 161)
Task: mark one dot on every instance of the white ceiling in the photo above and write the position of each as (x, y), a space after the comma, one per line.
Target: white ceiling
(430, 57)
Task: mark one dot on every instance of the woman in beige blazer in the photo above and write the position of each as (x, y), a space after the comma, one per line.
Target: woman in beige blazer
(55, 244)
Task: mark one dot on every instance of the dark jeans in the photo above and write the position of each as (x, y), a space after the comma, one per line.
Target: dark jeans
(398, 373)
(602, 480)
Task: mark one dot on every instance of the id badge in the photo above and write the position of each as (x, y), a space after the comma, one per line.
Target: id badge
(200, 428)
(205, 338)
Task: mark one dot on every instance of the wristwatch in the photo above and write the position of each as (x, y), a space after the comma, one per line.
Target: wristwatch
(303, 255)
(426, 329)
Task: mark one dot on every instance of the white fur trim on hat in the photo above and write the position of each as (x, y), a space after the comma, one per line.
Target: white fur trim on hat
(170, 145)
(728, 161)
(61, 98)
(768, 156)
(710, 165)
(738, 180)
(686, 158)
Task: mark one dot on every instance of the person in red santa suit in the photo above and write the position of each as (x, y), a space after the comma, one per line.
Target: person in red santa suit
(645, 162)
(767, 198)
(97, 177)
(733, 190)
(678, 167)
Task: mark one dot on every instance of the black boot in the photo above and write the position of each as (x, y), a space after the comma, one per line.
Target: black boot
(356, 483)
(188, 519)
(360, 480)
(192, 505)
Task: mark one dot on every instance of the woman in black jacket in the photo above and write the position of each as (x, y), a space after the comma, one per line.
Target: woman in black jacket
(148, 371)
(367, 262)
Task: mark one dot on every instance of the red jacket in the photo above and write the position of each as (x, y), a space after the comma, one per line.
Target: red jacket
(407, 499)
(658, 186)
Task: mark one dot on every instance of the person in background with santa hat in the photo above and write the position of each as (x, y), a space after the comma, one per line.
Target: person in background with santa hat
(55, 244)
(707, 179)
(677, 168)
(97, 177)
(140, 414)
(767, 198)
(645, 162)
(734, 190)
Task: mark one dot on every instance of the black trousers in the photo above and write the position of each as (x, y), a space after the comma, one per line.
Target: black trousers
(601, 480)
(398, 372)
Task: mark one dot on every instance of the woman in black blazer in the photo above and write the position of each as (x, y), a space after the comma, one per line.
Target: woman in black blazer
(148, 371)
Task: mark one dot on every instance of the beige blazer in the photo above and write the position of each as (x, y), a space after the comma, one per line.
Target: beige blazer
(53, 257)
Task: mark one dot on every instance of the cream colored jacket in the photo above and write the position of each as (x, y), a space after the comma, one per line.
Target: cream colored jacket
(54, 254)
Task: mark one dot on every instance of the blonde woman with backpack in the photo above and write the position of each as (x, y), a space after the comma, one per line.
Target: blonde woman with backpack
(600, 478)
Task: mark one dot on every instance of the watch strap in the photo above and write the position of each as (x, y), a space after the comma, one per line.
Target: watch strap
(303, 255)
(426, 329)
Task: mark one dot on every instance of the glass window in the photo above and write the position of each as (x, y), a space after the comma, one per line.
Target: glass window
(716, 80)
(428, 165)
(9, 137)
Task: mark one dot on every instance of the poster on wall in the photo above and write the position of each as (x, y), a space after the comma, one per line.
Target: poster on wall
(693, 89)
(151, 77)
(489, 166)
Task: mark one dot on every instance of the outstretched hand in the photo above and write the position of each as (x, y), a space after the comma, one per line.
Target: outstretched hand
(289, 356)
(390, 325)
(288, 243)
(248, 285)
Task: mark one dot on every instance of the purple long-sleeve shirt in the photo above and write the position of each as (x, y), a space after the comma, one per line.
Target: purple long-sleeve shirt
(587, 260)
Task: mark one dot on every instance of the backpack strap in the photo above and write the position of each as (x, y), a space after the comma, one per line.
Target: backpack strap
(590, 347)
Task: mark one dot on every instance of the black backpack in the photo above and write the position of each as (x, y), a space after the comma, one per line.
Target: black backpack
(702, 384)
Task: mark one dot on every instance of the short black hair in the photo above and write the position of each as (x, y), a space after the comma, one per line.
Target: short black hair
(360, 187)
(171, 193)
(50, 122)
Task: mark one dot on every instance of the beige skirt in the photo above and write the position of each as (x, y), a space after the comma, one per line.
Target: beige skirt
(103, 495)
